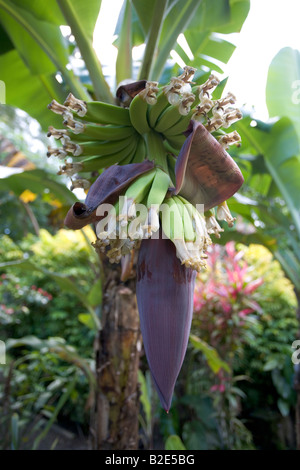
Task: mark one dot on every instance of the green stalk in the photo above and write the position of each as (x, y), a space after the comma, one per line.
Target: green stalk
(87, 51)
(124, 58)
(75, 86)
(152, 39)
(181, 23)
(156, 150)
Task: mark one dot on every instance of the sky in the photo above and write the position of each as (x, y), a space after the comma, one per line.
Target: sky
(270, 26)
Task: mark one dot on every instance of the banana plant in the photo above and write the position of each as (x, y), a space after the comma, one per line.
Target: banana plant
(204, 174)
(170, 146)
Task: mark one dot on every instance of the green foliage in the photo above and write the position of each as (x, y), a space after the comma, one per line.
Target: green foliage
(245, 312)
(36, 312)
(267, 359)
(174, 443)
(45, 378)
(32, 293)
(282, 93)
(211, 354)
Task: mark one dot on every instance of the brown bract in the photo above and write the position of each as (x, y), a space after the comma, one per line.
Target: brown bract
(205, 172)
(127, 91)
(105, 190)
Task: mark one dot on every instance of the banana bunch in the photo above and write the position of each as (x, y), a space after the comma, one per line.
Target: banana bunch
(187, 229)
(170, 111)
(134, 217)
(96, 134)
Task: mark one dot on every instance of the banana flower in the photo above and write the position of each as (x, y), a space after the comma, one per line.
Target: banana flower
(170, 254)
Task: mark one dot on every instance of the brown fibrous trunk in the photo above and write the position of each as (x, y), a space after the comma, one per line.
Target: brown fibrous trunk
(118, 347)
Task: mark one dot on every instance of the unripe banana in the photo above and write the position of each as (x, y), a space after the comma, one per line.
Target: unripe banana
(138, 114)
(159, 188)
(189, 232)
(176, 142)
(104, 113)
(89, 149)
(172, 222)
(97, 163)
(140, 187)
(93, 132)
(167, 119)
(157, 109)
(180, 126)
(141, 151)
(171, 168)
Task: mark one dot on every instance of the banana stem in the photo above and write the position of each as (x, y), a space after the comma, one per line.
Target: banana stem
(101, 88)
(152, 39)
(156, 150)
(180, 23)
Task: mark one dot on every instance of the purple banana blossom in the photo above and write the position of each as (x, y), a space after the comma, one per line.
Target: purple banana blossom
(164, 290)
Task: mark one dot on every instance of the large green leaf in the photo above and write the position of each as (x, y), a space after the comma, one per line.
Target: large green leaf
(177, 20)
(39, 42)
(213, 16)
(124, 58)
(81, 17)
(37, 181)
(279, 147)
(87, 12)
(5, 42)
(283, 86)
(144, 11)
(50, 11)
(28, 92)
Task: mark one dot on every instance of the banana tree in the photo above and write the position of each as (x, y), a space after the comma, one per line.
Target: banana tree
(142, 132)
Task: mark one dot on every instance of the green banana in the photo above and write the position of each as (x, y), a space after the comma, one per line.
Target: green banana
(100, 132)
(171, 220)
(189, 232)
(89, 149)
(135, 195)
(140, 187)
(167, 119)
(198, 222)
(181, 125)
(140, 153)
(171, 168)
(159, 188)
(104, 113)
(138, 114)
(157, 109)
(96, 162)
(176, 141)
